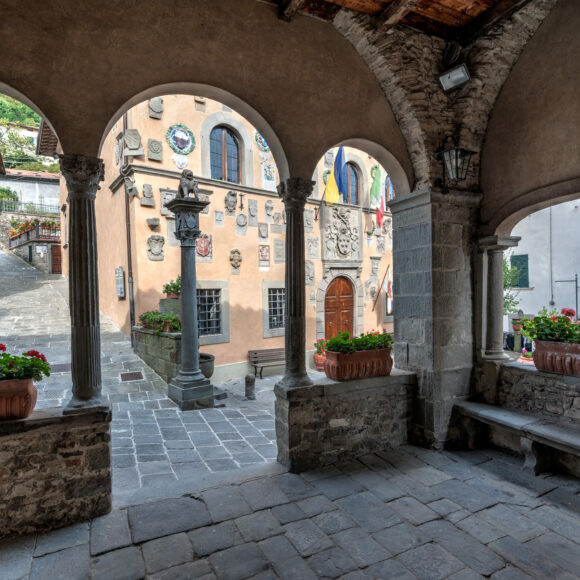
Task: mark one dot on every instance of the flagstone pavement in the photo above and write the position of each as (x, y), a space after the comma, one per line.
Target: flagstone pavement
(198, 494)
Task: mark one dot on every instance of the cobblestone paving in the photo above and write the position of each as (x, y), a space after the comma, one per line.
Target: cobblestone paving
(405, 514)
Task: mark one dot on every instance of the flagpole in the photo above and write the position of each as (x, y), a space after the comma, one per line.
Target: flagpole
(317, 209)
(381, 287)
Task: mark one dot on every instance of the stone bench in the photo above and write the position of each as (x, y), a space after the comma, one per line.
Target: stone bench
(538, 435)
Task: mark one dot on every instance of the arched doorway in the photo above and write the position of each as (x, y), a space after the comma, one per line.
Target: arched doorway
(339, 307)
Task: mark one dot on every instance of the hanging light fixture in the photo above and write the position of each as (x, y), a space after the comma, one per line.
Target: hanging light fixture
(454, 159)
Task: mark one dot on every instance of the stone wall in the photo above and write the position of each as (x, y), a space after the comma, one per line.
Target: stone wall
(329, 421)
(524, 388)
(40, 261)
(56, 470)
(162, 352)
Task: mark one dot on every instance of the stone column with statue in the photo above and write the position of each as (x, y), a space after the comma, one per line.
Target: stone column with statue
(189, 389)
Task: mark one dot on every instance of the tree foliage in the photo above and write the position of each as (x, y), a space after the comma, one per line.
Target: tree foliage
(14, 111)
(510, 279)
(8, 194)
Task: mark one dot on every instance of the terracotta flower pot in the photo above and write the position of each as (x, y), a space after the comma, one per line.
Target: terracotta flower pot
(172, 295)
(17, 398)
(557, 357)
(359, 365)
(319, 360)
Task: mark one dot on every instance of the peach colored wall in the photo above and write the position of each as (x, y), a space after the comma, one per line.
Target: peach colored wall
(245, 289)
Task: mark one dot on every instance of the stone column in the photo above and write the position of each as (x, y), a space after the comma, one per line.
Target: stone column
(82, 176)
(294, 193)
(189, 389)
(495, 246)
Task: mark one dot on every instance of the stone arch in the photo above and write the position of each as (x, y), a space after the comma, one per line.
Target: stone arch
(246, 148)
(232, 101)
(352, 274)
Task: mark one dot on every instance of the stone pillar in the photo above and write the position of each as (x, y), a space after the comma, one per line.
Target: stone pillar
(189, 389)
(495, 246)
(82, 176)
(294, 193)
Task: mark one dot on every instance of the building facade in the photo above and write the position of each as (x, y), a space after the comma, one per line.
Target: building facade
(241, 253)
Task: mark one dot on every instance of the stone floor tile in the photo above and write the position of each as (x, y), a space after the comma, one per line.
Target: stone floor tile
(414, 488)
(285, 560)
(178, 444)
(361, 546)
(357, 575)
(225, 503)
(213, 452)
(263, 493)
(258, 526)
(390, 569)
(464, 495)
(167, 552)
(557, 520)
(158, 479)
(229, 436)
(566, 498)
(337, 486)
(62, 538)
(412, 510)
(183, 456)
(163, 518)
(16, 557)
(457, 516)
(519, 527)
(294, 486)
(333, 522)
(124, 460)
(402, 537)
(124, 564)
(321, 473)
(215, 538)
(466, 574)
(369, 511)
(249, 458)
(465, 547)
(481, 530)
(67, 564)
(558, 549)
(511, 573)
(267, 451)
(307, 537)
(430, 562)
(332, 563)
(504, 491)
(444, 506)
(313, 506)
(200, 570)
(378, 485)
(110, 532)
(239, 562)
(289, 512)
(524, 557)
(221, 464)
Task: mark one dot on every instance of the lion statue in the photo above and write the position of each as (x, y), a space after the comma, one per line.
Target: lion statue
(188, 185)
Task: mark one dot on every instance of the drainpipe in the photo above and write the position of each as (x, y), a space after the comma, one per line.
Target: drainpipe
(551, 265)
(123, 171)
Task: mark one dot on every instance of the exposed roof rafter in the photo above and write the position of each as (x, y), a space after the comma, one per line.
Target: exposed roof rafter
(394, 13)
(288, 8)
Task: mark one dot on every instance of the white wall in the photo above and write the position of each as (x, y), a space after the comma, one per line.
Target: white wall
(561, 258)
(33, 191)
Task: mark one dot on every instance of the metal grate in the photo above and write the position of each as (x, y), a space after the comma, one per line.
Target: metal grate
(209, 312)
(133, 376)
(276, 305)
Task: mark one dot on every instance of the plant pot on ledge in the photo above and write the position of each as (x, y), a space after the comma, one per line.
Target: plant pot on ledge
(17, 398)
(319, 360)
(557, 357)
(358, 365)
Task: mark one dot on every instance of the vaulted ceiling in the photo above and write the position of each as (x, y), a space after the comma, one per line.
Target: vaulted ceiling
(461, 20)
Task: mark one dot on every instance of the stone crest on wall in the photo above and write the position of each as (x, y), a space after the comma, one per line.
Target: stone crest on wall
(147, 200)
(154, 150)
(235, 260)
(230, 201)
(263, 231)
(269, 210)
(253, 212)
(155, 247)
(156, 107)
(204, 248)
(387, 228)
(133, 143)
(264, 255)
(341, 235)
(309, 273)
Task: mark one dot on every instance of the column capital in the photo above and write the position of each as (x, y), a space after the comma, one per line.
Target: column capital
(498, 243)
(82, 175)
(295, 191)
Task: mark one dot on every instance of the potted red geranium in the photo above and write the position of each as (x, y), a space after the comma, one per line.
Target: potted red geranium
(320, 354)
(17, 393)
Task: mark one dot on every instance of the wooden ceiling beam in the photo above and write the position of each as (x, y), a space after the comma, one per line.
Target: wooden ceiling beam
(489, 18)
(394, 13)
(288, 8)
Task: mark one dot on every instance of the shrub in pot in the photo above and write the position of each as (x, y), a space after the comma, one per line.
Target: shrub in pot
(173, 289)
(159, 322)
(320, 354)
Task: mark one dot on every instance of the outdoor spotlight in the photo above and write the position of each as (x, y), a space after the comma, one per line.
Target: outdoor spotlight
(454, 159)
(454, 78)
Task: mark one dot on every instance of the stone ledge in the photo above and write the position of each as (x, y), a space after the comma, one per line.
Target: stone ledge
(54, 416)
(532, 370)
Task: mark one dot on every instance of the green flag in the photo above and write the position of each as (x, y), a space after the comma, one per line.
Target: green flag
(376, 186)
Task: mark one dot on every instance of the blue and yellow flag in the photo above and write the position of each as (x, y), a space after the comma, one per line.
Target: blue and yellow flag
(334, 184)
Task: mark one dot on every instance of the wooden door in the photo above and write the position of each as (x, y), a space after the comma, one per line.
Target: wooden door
(338, 308)
(55, 259)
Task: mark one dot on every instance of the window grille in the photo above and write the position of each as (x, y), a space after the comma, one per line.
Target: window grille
(276, 307)
(209, 312)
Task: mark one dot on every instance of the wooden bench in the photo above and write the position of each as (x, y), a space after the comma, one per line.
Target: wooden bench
(270, 357)
(538, 435)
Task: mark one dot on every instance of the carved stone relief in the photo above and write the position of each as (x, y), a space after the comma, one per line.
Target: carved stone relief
(253, 212)
(263, 231)
(312, 248)
(375, 262)
(279, 251)
(218, 218)
(308, 221)
(309, 273)
(328, 160)
(199, 103)
(264, 255)
(133, 143)
(235, 261)
(180, 161)
(241, 224)
(147, 200)
(341, 234)
(381, 245)
(130, 187)
(119, 148)
(204, 197)
(153, 222)
(230, 200)
(156, 107)
(269, 211)
(388, 227)
(204, 248)
(155, 251)
(166, 196)
(154, 150)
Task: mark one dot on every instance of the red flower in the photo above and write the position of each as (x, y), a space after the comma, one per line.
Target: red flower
(554, 318)
(2, 348)
(568, 312)
(11, 363)
(35, 354)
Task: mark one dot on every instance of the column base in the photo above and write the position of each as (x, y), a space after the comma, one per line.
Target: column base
(76, 405)
(495, 355)
(290, 381)
(191, 392)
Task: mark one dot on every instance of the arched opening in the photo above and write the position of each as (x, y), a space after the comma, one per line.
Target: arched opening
(339, 307)
(225, 159)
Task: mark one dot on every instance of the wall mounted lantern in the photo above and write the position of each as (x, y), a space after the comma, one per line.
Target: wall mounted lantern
(454, 159)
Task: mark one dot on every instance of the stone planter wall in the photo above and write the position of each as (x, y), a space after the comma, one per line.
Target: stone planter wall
(524, 388)
(329, 421)
(56, 470)
(162, 352)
